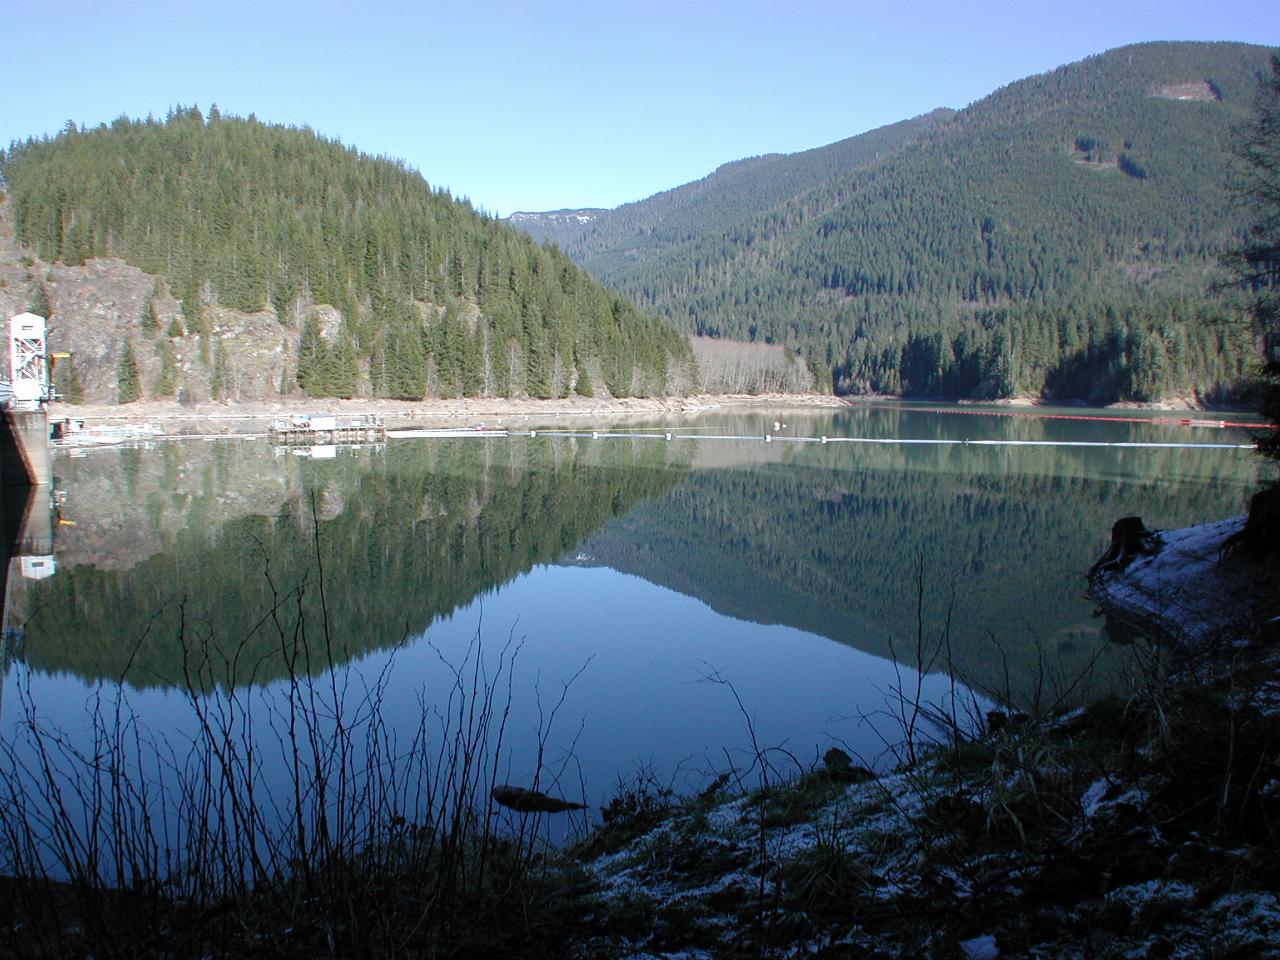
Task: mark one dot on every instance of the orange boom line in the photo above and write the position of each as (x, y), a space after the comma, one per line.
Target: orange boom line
(1166, 421)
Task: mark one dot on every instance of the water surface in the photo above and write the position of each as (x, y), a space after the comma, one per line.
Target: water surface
(608, 581)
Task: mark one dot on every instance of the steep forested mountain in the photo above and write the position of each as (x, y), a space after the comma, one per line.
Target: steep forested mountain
(1056, 238)
(390, 287)
(606, 241)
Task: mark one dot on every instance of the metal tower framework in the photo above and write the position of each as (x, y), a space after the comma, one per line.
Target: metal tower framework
(27, 360)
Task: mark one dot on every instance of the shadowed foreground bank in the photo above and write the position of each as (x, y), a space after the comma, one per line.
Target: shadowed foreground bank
(1144, 824)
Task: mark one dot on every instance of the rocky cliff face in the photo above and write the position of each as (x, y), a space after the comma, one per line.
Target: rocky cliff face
(95, 309)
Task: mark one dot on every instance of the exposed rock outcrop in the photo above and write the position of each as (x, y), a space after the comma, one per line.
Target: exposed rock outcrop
(95, 308)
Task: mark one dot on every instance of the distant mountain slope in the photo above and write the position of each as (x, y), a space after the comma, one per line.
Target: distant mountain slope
(384, 285)
(1056, 238)
(554, 226)
(605, 241)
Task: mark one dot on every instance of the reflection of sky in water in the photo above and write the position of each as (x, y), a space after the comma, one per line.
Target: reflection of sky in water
(641, 698)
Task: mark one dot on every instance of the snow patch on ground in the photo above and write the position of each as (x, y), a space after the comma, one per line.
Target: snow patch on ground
(1266, 698)
(1094, 797)
(980, 948)
(1140, 894)
(1187, 593)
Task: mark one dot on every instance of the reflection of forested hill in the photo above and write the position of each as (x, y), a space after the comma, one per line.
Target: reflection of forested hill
(401, 538)
(834, 548)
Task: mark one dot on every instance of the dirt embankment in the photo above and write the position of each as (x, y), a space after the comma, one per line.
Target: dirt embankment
(462, 412)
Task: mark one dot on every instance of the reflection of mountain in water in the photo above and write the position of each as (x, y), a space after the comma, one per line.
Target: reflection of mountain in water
(188, 547)
(197, 548)
(834, 548)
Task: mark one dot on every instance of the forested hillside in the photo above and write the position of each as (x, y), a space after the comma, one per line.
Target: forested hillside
(1057, 238)
(391, 288)
(605, 240)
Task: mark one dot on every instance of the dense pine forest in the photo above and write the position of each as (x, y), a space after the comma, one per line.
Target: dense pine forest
(431, 297)
(1059, 238)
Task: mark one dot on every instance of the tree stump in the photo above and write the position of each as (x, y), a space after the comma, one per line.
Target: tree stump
(1259, 539)
(1129, 537)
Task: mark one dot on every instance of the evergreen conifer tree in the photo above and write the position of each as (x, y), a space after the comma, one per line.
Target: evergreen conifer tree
(344, 370)
(220, 379)
(66, 381)
(167, 381)
(313, 359)
(1258, 263)
(148, 320)
(39, 302)
(582, 380)
(128, 383)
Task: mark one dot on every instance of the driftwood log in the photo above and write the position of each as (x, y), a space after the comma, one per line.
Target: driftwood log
(531, 801)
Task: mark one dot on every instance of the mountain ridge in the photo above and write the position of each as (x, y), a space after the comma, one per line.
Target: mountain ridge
(1054, 239)
(714, 189)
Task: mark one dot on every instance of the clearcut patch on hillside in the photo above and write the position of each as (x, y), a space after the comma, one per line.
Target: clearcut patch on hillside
(1203, 90)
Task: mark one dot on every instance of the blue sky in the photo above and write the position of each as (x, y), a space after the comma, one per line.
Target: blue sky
(540, 105)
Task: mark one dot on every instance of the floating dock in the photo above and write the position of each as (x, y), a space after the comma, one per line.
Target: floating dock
(320, 429)
(70, 432)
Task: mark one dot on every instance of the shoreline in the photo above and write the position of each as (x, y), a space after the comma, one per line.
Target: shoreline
(437, 412)
(1192, 589)
(451, 412)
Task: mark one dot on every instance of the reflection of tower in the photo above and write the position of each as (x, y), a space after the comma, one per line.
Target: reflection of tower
(28, 556)
(38, 568)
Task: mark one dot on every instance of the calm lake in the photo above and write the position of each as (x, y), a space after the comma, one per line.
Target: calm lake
(598, 587)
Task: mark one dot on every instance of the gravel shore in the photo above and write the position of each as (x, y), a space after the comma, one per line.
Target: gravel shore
(433, 412)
